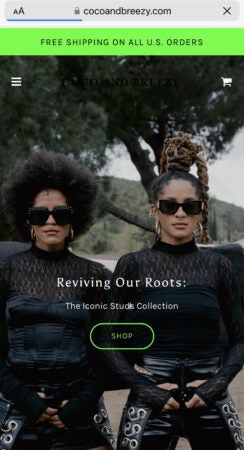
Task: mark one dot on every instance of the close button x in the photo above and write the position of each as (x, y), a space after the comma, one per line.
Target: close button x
(226, 10)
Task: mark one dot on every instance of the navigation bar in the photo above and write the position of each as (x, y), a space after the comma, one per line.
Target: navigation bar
(168, 11)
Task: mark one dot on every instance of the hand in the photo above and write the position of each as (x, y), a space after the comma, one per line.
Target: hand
(168, 386)
(46, 415)
(50, 414)
(63, 403)
(195, 402)
(171, 404)
(41, 394)
(195, 383)
(57, 422)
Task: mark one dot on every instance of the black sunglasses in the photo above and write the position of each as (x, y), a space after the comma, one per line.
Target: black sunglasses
(170, 207)
(38, 215)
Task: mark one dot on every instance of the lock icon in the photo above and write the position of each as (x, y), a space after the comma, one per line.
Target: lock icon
(77, 10)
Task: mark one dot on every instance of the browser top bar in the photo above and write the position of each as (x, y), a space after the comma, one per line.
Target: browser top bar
(222, 11)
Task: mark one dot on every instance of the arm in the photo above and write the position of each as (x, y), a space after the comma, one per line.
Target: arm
(83, 404)
(115, 360)
(86, 401)
(232, 315)
(24, 399)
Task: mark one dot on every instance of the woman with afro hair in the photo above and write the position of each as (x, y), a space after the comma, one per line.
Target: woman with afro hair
(179, 381)
(50, 395)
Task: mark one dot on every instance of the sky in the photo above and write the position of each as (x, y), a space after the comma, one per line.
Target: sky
(226, 175)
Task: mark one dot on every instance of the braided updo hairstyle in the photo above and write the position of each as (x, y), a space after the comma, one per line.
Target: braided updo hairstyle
(178, 155)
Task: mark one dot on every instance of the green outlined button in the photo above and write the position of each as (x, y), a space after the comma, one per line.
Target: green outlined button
(122, 335)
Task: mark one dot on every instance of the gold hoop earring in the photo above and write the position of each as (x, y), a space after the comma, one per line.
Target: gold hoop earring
(33, 234)
(70, 235)
(199, 231)
(158, 229)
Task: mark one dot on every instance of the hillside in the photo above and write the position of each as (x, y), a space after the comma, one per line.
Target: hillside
(110, 235)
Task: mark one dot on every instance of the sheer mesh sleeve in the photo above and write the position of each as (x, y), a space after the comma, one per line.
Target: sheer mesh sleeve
(198, 268)
(234, 323)
(148, 392)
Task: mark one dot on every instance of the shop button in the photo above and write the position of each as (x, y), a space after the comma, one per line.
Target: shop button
(122, 336)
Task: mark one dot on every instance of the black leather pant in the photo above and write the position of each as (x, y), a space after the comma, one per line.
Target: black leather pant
(205, 428)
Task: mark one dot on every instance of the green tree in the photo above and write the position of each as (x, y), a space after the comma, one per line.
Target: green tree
(147, 99)
(79, 105)
(42, 114)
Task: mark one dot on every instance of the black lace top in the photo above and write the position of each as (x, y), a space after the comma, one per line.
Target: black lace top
(43, 338)
(201, 283)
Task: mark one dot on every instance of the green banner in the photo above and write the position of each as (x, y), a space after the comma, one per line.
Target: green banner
(122, 41)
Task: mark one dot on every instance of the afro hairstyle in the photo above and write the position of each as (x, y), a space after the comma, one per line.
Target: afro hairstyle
(49, 170)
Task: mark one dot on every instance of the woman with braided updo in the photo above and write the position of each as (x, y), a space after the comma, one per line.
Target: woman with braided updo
(179, 382)
(50, 395)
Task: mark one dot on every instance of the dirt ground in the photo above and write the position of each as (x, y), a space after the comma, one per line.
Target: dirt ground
(115, 401)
